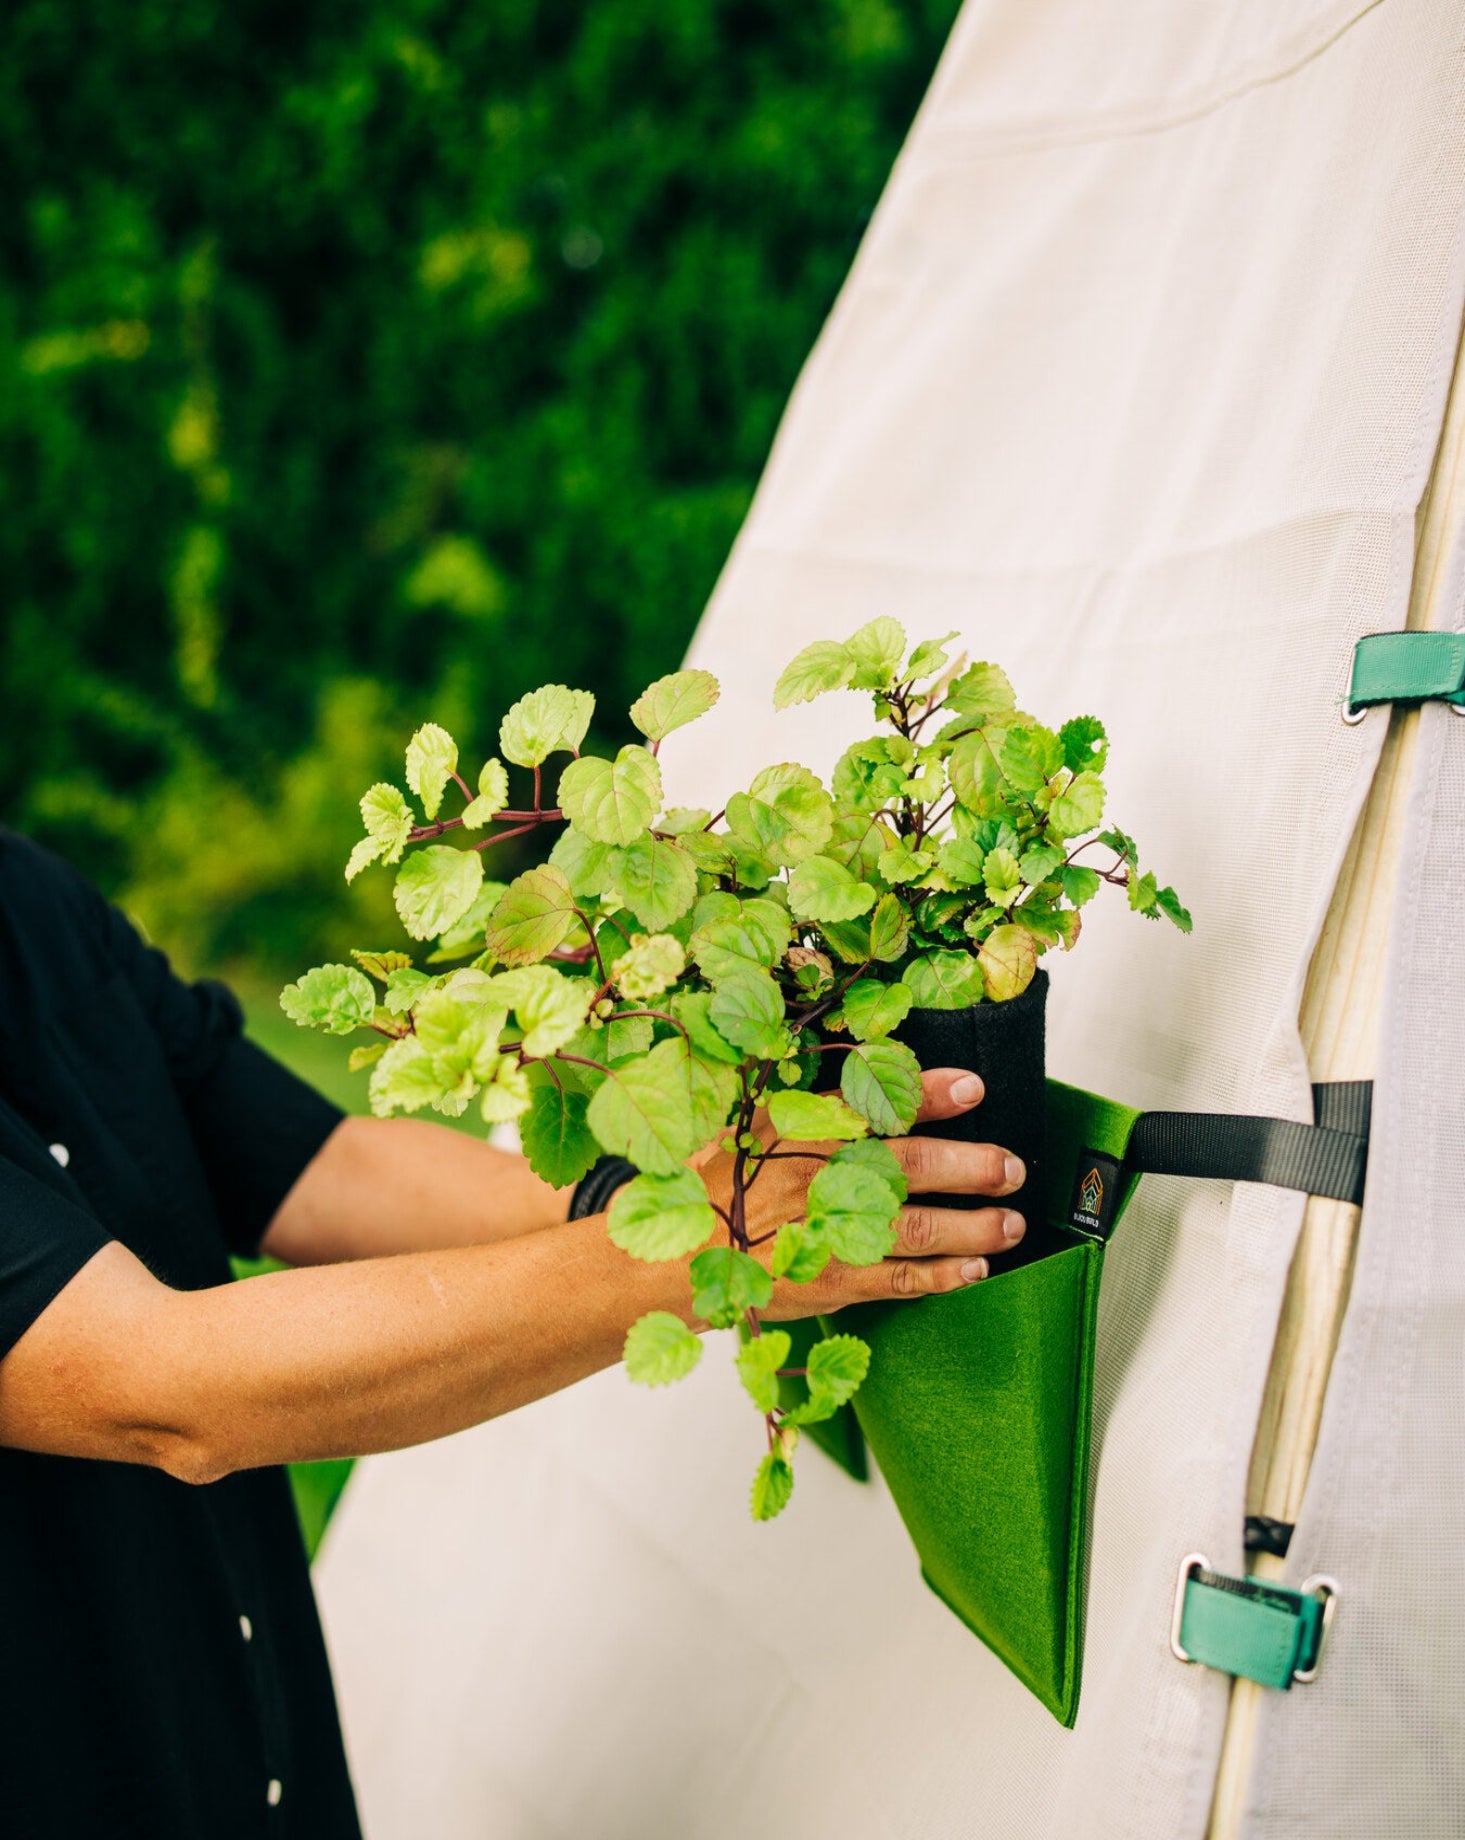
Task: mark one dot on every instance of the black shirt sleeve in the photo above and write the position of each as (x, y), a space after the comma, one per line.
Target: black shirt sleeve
(45, 1239)
(254, 1124)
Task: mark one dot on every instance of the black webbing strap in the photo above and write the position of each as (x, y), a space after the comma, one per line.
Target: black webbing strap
(1326, 1158)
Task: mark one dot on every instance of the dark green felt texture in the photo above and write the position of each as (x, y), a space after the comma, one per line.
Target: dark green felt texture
(978, 1408)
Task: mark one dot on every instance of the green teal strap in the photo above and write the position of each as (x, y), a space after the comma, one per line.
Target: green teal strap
(1408, 667)
(1264, 1632)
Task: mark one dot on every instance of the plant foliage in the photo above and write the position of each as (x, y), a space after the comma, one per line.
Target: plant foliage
(670, 979)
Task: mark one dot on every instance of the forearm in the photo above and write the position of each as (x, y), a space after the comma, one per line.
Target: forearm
(340, 1361)
(380, 1186)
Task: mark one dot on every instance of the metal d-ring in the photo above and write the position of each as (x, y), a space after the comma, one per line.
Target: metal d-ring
(1189, 1565)
(1319, 1585)
(1352, 717)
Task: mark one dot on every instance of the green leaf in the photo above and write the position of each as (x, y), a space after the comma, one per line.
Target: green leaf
(882, 1081)
(1002, 877)
(928, 658)
(812, 1117)
(1144, 892)
(336, 998)
(747, 1010)
(837, 1367)
(852, 1208)
(877, 649)
(976, 776)
(405, 1079)
(467, 937)
(509, 1095)
(650, 967)
(870, 774)
(784, 816)
(546, 721)
(1169, 905)
(672, 702)
(872, 1009)
(875, 1155)
(461, 1034)
(612, 801)
(623, 1037)
(381, 965)
(773, 1485)
(755, 939)
(659, 1349)
(493, 795)
(962, 860)
(691, 1008)
(890, 929)
(1078, 808)
(800, 1253)
(725, 1283)
(435, 888)
(982, 692)
(661, 1217)
(1009, 959)
(822, 889)
(432, 757)
(388, 820)
(364, 1055)
(532, 918)
(584, 863)
(404, 988)
(548, 1005)
(1079, 885)
(824, 665)
(659, 1110)
(558, 1142)
(1123, 847)
(758, 1363)
(656, 878)
(1031, 756)
(858, 841)
(1085, 744)
(944, 980)
(1040, 861)
(362, 856)
(905, 865)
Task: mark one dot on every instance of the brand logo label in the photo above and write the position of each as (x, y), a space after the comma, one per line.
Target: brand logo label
(1096, 1189)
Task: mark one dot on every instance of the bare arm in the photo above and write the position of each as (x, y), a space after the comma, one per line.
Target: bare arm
(386, 1352)
(388, 1185)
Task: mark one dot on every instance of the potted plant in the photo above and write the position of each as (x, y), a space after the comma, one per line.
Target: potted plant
(669, 975)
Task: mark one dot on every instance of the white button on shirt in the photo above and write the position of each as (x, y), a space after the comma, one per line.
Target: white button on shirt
(61, 1154)
(274, 1792)
(246, 1628)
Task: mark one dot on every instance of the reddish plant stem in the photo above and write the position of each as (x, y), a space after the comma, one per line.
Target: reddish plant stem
(519, 830)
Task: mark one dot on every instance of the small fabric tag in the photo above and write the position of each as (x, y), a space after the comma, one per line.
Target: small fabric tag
(1096, 1183)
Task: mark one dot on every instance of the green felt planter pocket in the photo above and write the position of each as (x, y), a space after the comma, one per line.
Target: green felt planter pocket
(977, 1409)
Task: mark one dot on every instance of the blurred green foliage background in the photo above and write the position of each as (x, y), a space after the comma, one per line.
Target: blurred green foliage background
(361, 363)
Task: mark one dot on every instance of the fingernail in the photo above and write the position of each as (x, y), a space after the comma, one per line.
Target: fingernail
(974, 1269)
(1013, 1226)
(1014, 1171)
(967, 1090)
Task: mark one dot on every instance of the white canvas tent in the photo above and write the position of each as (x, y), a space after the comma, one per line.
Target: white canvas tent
(1139, 381)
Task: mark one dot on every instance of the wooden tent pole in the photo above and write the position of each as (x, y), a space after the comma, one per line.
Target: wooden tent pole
(1341, 1009)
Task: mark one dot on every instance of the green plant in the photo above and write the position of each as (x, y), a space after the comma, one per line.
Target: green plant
(667, 974)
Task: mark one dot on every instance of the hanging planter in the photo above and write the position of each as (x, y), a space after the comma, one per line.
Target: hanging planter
(671, 981)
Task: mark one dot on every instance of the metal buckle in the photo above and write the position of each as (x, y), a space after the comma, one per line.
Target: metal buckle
(1190, 1564)
(1319, 1585)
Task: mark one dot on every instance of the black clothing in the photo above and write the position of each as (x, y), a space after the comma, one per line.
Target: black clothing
(162, 1672)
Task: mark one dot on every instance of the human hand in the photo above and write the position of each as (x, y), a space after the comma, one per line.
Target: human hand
(938, 1249)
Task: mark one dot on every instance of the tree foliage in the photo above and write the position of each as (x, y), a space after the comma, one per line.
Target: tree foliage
(364, 361)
